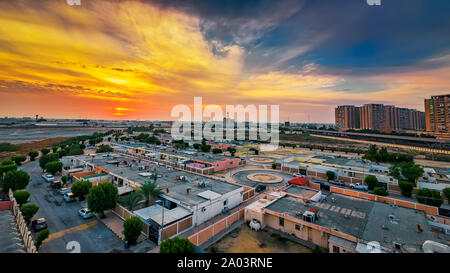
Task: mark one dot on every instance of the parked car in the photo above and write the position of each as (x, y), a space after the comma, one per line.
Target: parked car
(359, 187)
(260, 188)
(299, 175)
(56, 184)
(337, 182)
(85, 213)
(39, 224)
(48, 177)
(68, 197)
(63, 191)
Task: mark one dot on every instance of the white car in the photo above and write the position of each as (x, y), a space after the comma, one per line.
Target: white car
(68, 197)
(298, 175)
(359, 187)
(48, 177)
(85, 213)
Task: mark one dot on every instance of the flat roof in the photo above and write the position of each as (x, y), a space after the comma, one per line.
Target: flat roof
(339, 212)
(155, 213)
(365, 219)
(167, 177)
(301, 191)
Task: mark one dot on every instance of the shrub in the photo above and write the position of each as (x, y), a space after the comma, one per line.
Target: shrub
(28, 211)
(330, 175)
(33, 155)
(406, 187)
(80, 189)
(371, 181)
(446, 192)
(274, 166)
(45, 151)
(104, 149)
(18, 159)
(429, 197)
(132, 228)
(380, 191)
(41, 236)
(177, 245)
(53, 167)
(15, 180)
(21, 196)
(216, 151)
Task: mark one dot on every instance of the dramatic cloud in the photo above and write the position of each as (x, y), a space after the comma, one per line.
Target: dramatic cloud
(137, 59)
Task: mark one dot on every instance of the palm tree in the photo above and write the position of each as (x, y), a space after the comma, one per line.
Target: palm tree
(131, 200)
(149, 191)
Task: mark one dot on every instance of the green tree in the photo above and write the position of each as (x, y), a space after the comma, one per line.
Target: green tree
(15, 180)
(371, 181)
(216, 151)
(53, 167)
(429, 197)
(380, 191)
(446, 192)
(18, 159)
(197, 146)
(176, 245)
(372, 153)
(33, 155)
(394, 171)
(132, 228)
(81, 188)
(7, 166)
(45, 151)
(43, 160)
(411, 171)
(406, 187)
(231, 150)
(274, 166)
(131, 200)
(21, 196)
(102, 197)
(41, 236)
(28, 211)
(149, 190)
(330, 175)
(104, 149)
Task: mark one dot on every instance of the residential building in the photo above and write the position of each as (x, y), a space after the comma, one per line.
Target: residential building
(347, 117)
(437, 114)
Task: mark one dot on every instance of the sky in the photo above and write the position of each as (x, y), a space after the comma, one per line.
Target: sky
(110, 59)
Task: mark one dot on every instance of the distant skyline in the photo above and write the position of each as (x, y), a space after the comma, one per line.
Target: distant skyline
(135, 60)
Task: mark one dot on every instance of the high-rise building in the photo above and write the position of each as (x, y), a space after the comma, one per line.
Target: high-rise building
(379, 117)
(372, 116)
(437, 114)
(347, 117)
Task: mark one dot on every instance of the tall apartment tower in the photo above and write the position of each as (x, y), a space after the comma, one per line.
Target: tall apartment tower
(347, 117)
(372, 116)
(392, 117)
(437, 114)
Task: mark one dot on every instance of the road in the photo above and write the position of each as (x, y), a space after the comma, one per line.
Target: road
(63, 221)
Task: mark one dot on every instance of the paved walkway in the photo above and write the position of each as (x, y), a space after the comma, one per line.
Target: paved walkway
(10, 239)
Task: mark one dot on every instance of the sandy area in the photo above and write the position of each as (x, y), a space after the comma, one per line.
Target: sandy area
(248, 241)
(30, 146)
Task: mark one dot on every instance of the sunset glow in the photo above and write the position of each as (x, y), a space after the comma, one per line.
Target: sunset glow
(137, 59)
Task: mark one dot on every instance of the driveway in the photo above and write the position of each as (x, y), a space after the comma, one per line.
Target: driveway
(63, 221)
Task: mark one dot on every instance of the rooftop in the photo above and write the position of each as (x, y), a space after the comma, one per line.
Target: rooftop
(366, 220)
(168, 177)
(10, 239)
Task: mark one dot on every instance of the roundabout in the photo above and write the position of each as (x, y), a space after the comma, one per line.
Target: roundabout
(264, 178)
(252, 178)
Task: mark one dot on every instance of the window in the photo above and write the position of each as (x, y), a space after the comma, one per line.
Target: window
(203, 209)
(281, 221)
(335, 249)
(297, 227)
(225, 202)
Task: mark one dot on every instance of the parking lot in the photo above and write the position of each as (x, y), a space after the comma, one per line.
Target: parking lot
(68, 231)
